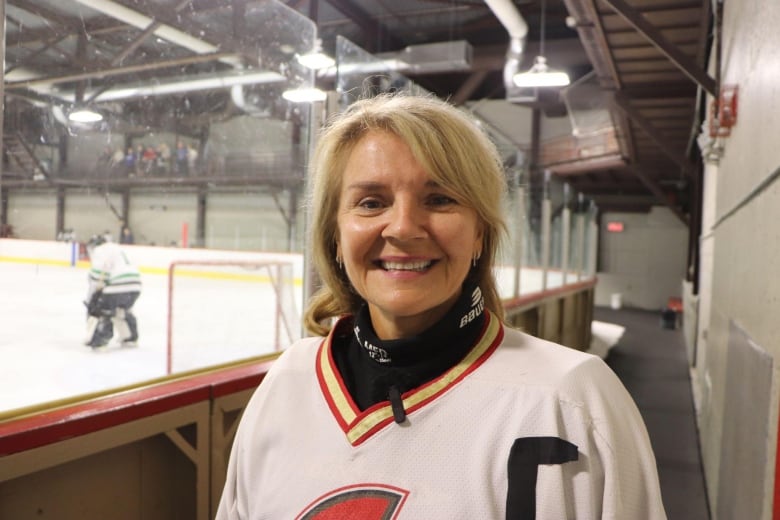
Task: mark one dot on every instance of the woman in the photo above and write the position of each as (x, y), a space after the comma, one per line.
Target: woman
(420, 403)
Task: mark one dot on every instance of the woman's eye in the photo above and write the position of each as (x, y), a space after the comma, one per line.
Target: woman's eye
(440, 200)
(369, 203)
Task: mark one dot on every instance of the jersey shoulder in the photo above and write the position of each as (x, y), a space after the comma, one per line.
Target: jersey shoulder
(300, 355)
(526, 359)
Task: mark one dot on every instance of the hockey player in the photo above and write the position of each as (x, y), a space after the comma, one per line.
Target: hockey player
(114, 287)
(420, 402)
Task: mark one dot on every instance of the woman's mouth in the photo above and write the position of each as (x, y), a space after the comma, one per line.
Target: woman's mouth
(417, 265)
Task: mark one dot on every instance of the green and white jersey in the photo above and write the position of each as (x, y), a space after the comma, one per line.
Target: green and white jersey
(112, 271)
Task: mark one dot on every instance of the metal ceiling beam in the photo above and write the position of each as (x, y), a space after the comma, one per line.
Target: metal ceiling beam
(103, 73)
(371, 27)
(468, 87)
(98, 26)
(591, 31)
(683, 62)
(145, 34)
(656, 190)
(46, 46)
(161, 17)
(577, 167)
(592, 35)
(172, 27)
(622, 102)
(52, 18)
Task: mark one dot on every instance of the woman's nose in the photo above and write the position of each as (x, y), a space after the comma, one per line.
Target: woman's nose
(406, 221)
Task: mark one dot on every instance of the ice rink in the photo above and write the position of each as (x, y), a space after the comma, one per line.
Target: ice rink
(216, 319)
(43, 330)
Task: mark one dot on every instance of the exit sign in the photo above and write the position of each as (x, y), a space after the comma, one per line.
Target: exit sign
(615, 227)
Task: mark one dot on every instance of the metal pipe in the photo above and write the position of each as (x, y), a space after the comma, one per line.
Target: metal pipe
(509, 17)
(512, 20)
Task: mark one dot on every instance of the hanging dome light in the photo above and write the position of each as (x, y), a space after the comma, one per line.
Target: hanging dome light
(85, 115)
(304, 95)
(540, 75)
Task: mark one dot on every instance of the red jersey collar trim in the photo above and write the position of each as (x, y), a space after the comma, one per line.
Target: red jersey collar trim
(359, 426)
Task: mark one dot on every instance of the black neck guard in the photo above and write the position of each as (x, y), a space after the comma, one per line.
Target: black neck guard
(375, 370)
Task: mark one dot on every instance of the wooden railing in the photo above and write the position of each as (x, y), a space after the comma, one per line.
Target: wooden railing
(153, 452)
(562, 315)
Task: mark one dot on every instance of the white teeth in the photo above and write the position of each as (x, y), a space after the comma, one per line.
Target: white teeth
(406, 266)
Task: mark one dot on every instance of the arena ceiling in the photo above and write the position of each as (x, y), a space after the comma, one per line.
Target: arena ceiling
(646, 59)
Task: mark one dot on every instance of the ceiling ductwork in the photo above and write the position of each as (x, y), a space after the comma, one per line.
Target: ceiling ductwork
(432, 58)
(513, 22)
(427, 58)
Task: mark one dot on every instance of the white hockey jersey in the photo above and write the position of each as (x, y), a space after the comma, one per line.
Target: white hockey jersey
(111, 271)
(520, 429)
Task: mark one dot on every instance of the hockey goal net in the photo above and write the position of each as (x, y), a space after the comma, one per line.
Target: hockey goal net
(226, 310)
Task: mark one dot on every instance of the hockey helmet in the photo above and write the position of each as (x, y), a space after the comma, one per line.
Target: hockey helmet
(97, 240)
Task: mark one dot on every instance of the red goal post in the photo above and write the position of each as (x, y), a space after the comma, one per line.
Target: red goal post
(257, 292)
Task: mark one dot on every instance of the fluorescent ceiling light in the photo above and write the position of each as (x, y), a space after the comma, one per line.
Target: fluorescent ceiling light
(540, 75)
(186, 84)
(316, 59)
(304, 95)
(85, 115)
(367, 68)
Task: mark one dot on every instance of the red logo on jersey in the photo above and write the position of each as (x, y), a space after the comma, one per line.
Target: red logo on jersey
(360, 502)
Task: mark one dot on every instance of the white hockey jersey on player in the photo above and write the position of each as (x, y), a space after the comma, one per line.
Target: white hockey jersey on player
(111, 271)
(517, 430)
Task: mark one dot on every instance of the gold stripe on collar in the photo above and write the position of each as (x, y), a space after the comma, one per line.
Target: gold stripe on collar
(359, 426)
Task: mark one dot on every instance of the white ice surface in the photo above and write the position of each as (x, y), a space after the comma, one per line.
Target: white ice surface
(42, 328)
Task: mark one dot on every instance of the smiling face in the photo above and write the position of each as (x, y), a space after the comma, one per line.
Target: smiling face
(406, 243)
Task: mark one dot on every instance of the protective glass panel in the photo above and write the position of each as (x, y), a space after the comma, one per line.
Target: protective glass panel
(362, 74)
(168, 128)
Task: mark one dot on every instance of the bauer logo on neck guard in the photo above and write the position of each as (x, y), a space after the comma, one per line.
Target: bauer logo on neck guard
(477, 306)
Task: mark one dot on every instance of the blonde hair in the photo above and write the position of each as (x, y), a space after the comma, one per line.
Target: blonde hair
(448, 145)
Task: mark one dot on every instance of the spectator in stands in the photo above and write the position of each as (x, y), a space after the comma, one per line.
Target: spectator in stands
(126, 236)
(139, 160)
(129, 162)
(164, 158)
(149, 159)
(181, 165)
(192, 159)
(420, 397)
(117, 159)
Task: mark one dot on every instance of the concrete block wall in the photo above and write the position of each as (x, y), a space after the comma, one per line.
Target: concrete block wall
(645, 263)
